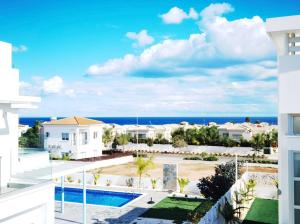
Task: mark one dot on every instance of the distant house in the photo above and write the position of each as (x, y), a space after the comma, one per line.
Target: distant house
(75, 136)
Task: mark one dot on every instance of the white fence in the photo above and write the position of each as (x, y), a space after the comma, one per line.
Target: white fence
(213, 215)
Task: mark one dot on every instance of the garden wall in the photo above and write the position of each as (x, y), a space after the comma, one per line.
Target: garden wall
(189, 149)
(213, 216)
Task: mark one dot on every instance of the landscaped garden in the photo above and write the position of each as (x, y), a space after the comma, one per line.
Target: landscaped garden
(264, 211)
(179, 209)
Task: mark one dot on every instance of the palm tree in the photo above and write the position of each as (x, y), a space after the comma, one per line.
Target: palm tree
(257, 143)
(142, 166)
(182, 183)
(107, 136)
(122, 140)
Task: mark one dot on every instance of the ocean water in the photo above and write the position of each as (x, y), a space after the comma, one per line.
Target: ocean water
(159, 120)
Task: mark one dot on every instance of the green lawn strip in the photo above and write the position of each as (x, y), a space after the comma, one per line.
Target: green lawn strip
(174, 208)
(262, 211)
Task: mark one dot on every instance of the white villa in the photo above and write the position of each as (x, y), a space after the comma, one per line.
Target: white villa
(75, 136)
(244, 130)
(285, 32)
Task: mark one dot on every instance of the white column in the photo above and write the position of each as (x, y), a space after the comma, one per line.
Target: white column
(62, 204)
(84, 196)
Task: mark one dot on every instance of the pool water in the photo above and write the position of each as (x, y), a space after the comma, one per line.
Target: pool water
(96, 197)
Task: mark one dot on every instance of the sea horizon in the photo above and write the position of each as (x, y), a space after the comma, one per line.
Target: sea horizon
(160, 120)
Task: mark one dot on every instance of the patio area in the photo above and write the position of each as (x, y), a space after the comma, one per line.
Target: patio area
(104, 214)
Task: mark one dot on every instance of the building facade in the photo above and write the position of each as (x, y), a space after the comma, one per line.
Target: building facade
(285, 33)
(21, 201)
(76, 137)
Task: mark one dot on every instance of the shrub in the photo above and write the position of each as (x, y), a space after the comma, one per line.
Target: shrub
(178, 142)
(108, 182)
(153, 183)
(149, 142)
(215, 186)
(129, 182)
(69, 179)
(192, 158)
(210, 158)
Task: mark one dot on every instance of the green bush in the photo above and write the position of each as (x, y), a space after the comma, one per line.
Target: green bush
(210, 158)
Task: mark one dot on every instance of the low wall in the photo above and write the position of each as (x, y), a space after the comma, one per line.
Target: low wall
(32, 161)
(193, 149)
(34, 204)
(213, 216)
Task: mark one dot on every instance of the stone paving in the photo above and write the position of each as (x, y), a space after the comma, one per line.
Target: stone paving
(107, 215)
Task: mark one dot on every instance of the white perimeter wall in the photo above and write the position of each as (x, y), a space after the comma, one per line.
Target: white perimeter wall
(33, 205)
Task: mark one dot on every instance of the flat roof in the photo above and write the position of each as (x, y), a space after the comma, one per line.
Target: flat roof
(283, 24)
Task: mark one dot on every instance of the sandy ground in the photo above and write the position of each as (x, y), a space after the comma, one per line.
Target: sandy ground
(191, 170)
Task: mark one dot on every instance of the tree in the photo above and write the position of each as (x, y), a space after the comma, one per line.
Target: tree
(149, 142)
(183, 182)
(191, 136)
(122, 140)
(215, 186)
(107, 136)
(142, 166)
(31, 138)
(247, 119)
(257, 143)
(159, 137)
(178, 142)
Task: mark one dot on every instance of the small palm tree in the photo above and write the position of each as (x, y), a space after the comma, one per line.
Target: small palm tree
(250, 185)
(122, 140)
(182, 183)
(142, 166)
(153, 183)
(257, 143)
(96, 175)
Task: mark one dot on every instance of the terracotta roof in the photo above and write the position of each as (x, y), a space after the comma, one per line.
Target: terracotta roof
(73, 121)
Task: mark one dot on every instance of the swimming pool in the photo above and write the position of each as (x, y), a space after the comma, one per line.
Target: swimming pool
(96, 197)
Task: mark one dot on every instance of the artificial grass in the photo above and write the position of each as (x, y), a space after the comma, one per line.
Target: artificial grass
(262, 211)
(177, 209)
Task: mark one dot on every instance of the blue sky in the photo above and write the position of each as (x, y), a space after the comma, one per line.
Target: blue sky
(146, 58)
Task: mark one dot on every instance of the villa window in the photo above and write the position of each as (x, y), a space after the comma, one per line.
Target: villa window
(47, 134)
(65, 136)
(84, 138)
(95, 134)
(74, 138)
(296, 124)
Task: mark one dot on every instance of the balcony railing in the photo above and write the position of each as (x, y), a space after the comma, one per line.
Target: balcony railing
(294, 44)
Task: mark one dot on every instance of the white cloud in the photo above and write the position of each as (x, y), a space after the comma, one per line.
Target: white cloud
(176, 15)
(222, 43)
(217, 9)
(175, 96)
(142, 38)
(53, 85)
(20, 49)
